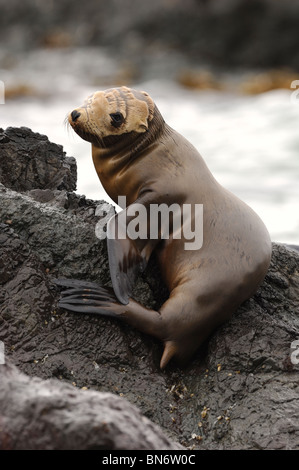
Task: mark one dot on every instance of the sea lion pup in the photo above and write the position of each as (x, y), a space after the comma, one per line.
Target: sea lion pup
(137, 155)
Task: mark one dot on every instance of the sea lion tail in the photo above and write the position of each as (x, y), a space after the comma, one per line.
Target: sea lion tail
(170, 350)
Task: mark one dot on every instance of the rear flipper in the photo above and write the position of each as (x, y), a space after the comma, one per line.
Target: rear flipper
(88, 297)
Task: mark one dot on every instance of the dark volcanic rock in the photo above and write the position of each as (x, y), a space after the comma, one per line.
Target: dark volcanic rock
(70, 419)
(241, 391)
(29, 161)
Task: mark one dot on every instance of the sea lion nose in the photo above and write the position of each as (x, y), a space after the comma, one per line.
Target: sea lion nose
(75, 114)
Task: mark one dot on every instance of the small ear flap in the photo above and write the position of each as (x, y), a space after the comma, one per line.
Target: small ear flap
(143, 126)
(139, 121)
(150, 104)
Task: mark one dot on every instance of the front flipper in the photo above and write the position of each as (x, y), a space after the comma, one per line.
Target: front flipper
(128, 250)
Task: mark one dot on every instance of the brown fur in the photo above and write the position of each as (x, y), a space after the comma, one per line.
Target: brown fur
(149, 163)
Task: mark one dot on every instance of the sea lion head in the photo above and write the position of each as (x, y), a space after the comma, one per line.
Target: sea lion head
(112, 112)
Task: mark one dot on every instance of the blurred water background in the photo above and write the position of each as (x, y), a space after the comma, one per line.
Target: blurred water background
(220, 71)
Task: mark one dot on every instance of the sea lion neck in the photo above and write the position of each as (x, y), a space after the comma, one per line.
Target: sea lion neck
(114, 160)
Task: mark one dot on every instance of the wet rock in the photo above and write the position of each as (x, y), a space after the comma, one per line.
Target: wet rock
(29, 161)
(70, 419)
(51, 228)
(241, 390)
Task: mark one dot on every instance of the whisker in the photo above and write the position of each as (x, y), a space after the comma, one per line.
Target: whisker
(67, 124)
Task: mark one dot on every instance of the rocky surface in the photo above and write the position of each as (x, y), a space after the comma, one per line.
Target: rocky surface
(29, 161)
(230, 33)
(241, 391)
(70, 419)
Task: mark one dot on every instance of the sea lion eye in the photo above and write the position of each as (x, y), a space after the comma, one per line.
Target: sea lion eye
(116, 119)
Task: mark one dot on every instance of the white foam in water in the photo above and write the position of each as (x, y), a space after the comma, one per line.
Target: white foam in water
(250, 143)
